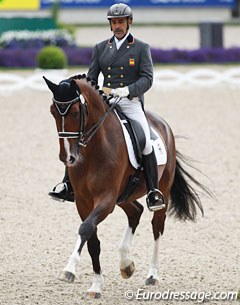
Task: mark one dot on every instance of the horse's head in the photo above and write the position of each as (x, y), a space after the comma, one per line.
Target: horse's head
(69, 110)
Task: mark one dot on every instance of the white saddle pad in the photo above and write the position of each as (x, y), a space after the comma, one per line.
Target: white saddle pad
(158, 145)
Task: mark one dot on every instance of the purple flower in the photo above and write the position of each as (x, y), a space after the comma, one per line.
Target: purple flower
(26, 56)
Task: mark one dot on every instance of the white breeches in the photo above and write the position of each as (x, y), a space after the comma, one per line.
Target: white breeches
(133, 110)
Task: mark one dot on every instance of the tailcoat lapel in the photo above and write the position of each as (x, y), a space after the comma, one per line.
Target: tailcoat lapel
(112, 50)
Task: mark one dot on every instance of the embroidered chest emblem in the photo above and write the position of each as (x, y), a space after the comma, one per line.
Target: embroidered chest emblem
(131, 62)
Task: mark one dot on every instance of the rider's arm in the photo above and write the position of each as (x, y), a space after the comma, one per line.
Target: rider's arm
(94, 68)
(145, 73)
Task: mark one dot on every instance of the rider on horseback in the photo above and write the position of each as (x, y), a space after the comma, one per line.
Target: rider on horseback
(126, 65)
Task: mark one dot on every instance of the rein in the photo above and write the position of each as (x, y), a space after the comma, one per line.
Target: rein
(83, 136)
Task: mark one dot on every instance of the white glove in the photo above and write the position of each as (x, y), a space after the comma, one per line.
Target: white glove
(120, 92)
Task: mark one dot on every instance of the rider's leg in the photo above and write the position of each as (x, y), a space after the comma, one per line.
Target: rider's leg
(63, 190)
(155, 198)
(133, 110)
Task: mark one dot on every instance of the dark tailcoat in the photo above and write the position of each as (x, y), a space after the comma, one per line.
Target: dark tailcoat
(130, 65)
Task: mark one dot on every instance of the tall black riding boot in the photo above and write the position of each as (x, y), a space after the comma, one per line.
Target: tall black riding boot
(63, 190)
(155, 198)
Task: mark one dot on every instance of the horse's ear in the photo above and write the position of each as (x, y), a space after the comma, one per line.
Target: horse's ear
(73, 85)
(51, 86)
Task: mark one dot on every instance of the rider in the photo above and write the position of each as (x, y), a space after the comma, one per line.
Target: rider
(126, 65)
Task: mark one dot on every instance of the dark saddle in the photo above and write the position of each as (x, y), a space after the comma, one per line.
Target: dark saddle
(138, 139)
(136, 134)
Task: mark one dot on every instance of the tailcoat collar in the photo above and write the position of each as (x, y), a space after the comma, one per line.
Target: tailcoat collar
(130, 39)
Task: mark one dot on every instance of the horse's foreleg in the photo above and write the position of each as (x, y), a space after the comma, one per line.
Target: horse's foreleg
(87, 233)
(134, 211)
(69, 272)
(158, 222)
(94, 250)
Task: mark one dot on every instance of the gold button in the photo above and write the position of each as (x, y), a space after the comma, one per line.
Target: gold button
(109, 76)
(109, 84)
(109, 68)
(121, 68)
(121, 84)
(121, 75)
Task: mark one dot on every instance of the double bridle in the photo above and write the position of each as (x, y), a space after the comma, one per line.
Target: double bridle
(83, 136)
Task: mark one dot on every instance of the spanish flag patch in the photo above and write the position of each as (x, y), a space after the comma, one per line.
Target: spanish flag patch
(131, 62)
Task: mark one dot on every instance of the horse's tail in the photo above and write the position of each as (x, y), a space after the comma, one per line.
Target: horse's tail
(184, 198)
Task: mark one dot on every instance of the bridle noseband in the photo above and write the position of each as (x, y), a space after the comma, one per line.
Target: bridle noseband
(63, 108)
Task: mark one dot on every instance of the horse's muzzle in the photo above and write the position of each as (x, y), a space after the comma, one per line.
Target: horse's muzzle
(69, 162)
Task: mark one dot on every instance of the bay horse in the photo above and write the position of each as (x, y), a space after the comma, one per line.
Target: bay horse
(93, 149)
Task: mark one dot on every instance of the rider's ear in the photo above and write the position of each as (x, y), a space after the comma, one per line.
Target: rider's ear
(51, 86)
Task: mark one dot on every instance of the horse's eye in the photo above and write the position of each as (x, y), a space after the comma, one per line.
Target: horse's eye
(74, 114)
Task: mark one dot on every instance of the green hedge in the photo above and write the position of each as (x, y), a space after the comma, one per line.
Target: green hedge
(51, 57)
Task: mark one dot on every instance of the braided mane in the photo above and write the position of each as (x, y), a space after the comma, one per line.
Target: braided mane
(92, 83)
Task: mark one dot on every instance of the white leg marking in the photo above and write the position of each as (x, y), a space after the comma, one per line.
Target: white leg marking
(124, 248)
(74, 258)
(153, 270)
(97, 283)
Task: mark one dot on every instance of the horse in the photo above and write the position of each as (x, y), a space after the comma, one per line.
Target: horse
(93, 149)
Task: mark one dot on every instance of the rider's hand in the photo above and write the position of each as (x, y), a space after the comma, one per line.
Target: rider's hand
(120, 92)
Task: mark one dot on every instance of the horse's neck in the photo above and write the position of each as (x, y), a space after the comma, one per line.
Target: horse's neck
(91, 95)
(96, 105)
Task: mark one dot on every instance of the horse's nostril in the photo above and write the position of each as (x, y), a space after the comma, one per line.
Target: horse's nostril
(72, 159)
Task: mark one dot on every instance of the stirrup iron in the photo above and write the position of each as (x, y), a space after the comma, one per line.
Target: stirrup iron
(62, 193)
(155, 200)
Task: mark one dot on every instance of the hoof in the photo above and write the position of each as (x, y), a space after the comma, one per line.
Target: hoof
(67, 276)
(91, 295)
(151, 281)
(128, 271)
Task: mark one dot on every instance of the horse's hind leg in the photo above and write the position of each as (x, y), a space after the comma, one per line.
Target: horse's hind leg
(158, 222)
(133, 211)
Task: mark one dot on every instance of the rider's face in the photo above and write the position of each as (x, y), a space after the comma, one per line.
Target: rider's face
(120, 26)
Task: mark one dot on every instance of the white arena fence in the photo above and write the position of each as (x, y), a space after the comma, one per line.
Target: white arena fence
(164, 79)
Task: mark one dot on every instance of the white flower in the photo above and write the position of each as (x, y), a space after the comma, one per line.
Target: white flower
(50, 36)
